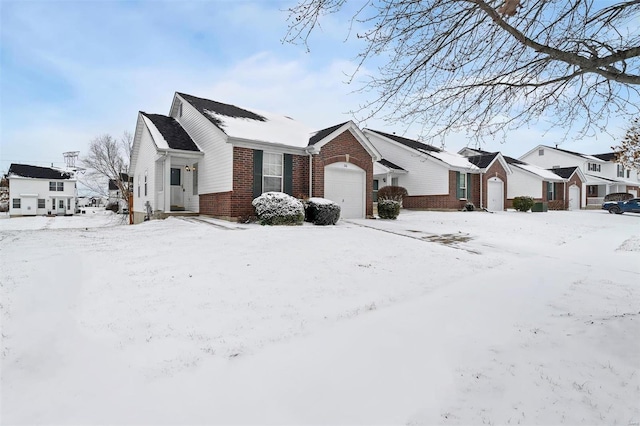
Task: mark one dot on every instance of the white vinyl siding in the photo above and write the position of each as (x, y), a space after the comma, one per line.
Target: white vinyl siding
(216, 167)
(523, 184)
(146, 161)
(31, 192)
(425, 176)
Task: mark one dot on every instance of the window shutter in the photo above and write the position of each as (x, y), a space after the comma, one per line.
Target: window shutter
(458, 191)
(469, 193)
(288, 174)
(257, 173)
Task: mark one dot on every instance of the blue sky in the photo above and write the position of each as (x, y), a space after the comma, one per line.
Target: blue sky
(73, 70)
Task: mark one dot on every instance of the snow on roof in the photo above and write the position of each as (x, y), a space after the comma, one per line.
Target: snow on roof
(274, 129)
(453, 159)
(543, 173)
(155, 133)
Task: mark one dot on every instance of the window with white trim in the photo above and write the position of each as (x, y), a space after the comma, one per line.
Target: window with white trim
(593, 167)
(541, 152)
(52, 186)
(145, 183)
(463, 186)
(41, 204)
(271, 172)
(394, 181)
(195, 178)
(620, 170)
(16, 203)
(550, 191)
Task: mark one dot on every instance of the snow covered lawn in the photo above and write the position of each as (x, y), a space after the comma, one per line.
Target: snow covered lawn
(434, 318)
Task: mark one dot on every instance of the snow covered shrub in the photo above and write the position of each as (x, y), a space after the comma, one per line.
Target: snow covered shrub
(388, 209)
(468, 207)
(523, 204)
(321, 211)
(278, 208)
(395, 193)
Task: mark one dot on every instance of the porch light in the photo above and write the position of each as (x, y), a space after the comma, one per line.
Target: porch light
(187, 168)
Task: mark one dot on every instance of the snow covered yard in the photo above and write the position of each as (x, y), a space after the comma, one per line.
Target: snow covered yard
(435, 318)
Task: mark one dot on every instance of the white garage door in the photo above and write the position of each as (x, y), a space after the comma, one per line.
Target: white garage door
(344, 184)
(574, 197)
(495, 195)
(633, 192)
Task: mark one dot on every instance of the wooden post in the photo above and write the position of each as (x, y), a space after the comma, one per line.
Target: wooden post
(130, 209)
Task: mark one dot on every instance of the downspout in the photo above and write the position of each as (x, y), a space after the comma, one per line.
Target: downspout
(565, 196)
(481, 207)
(310, 175)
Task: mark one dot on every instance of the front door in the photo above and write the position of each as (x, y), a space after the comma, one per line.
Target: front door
(177, 190)
(60, 209)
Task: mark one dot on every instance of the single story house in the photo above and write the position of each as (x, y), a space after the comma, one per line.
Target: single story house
(437, 179)
(214, 158)
(35, 190)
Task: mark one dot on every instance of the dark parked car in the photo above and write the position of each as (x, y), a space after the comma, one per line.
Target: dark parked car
(619, 207)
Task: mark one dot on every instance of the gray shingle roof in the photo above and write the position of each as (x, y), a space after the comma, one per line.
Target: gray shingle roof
(324, 133)
(408, 142)
(38, 172)
(564, 172)
(203, 105)
(390, 165)
(482, 161)
(172, 131)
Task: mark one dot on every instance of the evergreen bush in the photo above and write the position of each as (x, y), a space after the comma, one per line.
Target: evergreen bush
(388, 209)
(278, 208)
(321, 211)
(523, 204)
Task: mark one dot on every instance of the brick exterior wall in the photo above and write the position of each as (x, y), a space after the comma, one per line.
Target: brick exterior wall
(344, 148)
(216, 204)
(300, 176)
(444, 202)
(496, 170)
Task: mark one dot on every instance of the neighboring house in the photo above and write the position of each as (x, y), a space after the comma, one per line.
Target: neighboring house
(602, 175)
(385, 173)
(115, 194)
(213, 158)
(37, 190)
(571, 189)
(437, 179)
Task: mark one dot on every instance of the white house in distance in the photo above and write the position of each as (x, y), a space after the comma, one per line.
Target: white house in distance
(35, 190)
(603, 175)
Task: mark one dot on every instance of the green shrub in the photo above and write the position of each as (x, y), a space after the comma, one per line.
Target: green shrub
(388, 209)
(278, 208)
(523, 204)
(321, 211)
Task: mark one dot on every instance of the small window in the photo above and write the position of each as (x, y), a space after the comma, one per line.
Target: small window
(138, 186)
(620, 170)
(628, 173)
(16, 203)
(271, 172)
(145, 183)
(60, 186)
(550, 191)
(593, 167)
(541, 152)
(394, 181)
(376, 185)
(68, 203)
(195, 179)
(179, 109)
(61, 203)
(462, 186)
(52, 186)
(175, 176)
(41, 204)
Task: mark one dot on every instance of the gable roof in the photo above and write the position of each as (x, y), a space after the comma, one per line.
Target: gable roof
(452, 160)
(321, 134)
(607, 156)
(564, 172)
(25, 170)
(566, 151)
(389, 164)
(172, 132)
(483, 160)
(251, 125)
(408, 142)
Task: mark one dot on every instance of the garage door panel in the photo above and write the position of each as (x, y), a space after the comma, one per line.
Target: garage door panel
(345, 186)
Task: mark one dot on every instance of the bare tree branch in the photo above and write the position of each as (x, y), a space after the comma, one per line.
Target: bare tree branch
(490, 66)
(108, 160)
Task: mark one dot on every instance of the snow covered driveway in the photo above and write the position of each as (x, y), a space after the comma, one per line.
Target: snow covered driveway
(452, 318)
